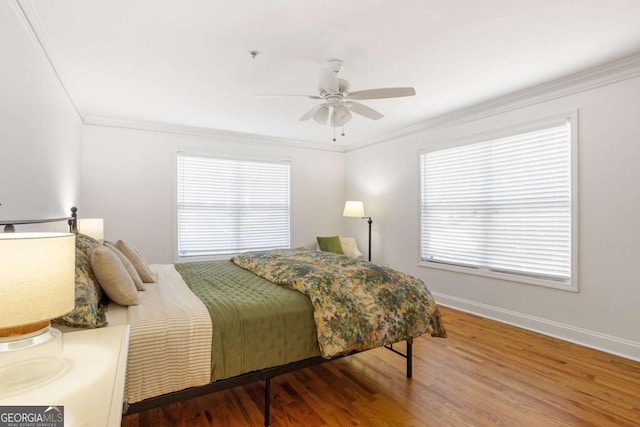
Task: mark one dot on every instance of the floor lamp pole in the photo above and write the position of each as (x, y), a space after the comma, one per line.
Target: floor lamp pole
(370, 221)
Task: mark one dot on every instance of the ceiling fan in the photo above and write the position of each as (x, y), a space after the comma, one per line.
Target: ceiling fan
(338, 102)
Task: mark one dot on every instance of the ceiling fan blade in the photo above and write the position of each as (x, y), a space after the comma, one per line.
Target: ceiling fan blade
(340, 116)
(385, 92)
(328, 81)
(363, 110)
(309, 114)
(286, 94)
(321, 114)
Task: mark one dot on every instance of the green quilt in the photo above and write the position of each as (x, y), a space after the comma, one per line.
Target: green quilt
(358, 305)
(256, 324)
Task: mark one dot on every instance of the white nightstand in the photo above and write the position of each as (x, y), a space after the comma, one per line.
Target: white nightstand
(91, 385)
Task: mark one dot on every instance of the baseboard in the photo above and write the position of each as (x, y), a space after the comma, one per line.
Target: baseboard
(607, 343)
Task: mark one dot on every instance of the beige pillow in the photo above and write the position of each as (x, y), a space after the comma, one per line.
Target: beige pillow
(128, 266)
(350, 247)
(136, 259)
(113, 278)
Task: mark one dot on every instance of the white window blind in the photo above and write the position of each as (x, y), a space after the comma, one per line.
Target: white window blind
(502, 205)
(227, 206)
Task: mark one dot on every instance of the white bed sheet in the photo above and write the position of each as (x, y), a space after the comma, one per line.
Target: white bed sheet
(117, 314)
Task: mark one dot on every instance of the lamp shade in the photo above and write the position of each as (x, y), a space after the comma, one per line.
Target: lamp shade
(354, 209)
(37, 282)
(92, 227)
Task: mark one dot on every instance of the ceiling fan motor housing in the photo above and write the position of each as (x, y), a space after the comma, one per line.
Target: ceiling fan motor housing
(334, 100)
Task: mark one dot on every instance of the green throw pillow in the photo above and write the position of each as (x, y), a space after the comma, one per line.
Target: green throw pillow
(330, 244)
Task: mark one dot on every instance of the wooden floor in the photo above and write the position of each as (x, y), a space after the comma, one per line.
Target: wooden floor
(484, 374)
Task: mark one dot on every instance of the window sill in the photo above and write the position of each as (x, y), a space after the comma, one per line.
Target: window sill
(571, 287)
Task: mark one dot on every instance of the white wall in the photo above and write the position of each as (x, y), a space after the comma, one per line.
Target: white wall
(129, 179)
(40, 132)
(604, 313)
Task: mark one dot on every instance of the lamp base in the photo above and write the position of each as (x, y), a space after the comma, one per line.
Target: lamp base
(30, 358)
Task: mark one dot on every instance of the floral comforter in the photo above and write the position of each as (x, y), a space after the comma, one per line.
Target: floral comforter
(358, 305)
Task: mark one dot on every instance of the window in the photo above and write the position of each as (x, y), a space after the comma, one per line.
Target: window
(227, 206)
(503, 207)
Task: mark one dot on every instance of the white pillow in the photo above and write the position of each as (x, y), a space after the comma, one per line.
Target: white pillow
(127, 265)
(113, 277)
(136, 259)
(350, 247)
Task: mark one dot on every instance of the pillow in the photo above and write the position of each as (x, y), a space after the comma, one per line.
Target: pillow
(330, 244)
(136, 259)
(127, 265)
(350, 247)
(113, 277)
(90, 309)
(86, 244)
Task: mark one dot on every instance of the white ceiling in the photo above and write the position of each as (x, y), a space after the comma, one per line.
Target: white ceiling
(187, 62)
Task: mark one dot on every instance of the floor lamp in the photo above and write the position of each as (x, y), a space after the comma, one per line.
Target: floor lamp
(355, 209)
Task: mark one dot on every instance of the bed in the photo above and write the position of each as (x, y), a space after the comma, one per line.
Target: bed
(200, 327)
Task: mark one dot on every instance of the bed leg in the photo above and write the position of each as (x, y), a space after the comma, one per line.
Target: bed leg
(409, 357)
(267, 401)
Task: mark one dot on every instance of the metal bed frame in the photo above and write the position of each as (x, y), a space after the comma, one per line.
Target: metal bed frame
(9, 225)
(265, 375)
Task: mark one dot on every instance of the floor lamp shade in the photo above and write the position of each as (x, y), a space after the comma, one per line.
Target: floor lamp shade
(353, 209)
(37, 284)
(92, 227)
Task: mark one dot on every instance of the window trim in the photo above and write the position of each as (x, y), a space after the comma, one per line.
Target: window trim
(497, 133)
(201, 153)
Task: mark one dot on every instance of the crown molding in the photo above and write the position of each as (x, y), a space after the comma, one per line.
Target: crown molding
(212, 134)
(30, 20)
(611, 72)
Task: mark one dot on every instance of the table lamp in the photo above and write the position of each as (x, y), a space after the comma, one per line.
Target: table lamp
(37, 284)
(92, 227)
